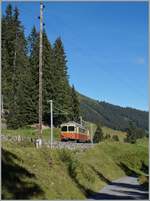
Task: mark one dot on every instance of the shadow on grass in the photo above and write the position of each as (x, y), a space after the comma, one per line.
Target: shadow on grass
(144, 168)
(101, 176)
(90, 194)
(127, 170)
(14, 179)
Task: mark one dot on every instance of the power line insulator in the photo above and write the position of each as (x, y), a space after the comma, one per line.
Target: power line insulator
(38, 17)
(43, 6)
(43, 24)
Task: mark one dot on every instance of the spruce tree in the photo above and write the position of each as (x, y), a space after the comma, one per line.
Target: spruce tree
(75, 105)
(48, 77)
(98, 136)
(47, 74)
(32, 40)
(131, 133)
(134, 133)
(33, 51)
(15, 67)
(7, 55)
(62, 93)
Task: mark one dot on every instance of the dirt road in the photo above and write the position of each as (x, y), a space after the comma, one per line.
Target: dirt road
(124, 188)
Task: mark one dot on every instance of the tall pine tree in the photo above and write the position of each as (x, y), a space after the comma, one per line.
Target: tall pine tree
(47, 74)
(62, 96)
(33, 51)
(48, 77)
(15, 67)
(75, 105)
(8, 38)
(98, 135)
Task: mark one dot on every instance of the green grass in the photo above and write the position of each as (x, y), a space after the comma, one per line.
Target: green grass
(64, 174)
(108, 131)
(121, 135)
(32, 132)
(49, 174)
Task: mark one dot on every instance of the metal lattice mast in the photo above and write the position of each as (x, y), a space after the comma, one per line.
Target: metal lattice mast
(40, 68)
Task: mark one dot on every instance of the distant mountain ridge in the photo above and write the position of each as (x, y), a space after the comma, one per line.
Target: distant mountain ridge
(110, 115)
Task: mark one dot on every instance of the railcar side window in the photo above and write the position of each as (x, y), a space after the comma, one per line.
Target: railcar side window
(71, 128)
(64, 128)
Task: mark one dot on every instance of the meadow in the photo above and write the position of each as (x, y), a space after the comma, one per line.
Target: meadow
(30, 173)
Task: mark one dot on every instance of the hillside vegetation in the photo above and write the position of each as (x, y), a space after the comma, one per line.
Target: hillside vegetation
(107, 131)
(28, 173)
(30, 132)
(112, 116)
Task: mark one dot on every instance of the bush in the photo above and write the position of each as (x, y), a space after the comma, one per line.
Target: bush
(107, 136)
(115, 138)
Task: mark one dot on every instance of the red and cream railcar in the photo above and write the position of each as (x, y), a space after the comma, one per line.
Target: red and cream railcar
(74, 131)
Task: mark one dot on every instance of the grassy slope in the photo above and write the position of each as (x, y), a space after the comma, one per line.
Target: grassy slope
(106, 130)
(31, 132)
(67, 174)
(121, 135)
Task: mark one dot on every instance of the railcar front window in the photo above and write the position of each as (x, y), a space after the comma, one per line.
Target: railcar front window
(71, 128)
(64, 128)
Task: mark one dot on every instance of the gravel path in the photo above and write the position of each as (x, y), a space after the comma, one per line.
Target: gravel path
(124, 188)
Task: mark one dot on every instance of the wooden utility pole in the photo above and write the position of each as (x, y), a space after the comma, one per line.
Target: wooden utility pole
(91, 126)
(51, 105)
(40, 68)
(2, 105)
(51, 122)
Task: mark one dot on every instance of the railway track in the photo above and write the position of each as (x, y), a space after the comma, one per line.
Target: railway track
(56, 144)
(71, 145)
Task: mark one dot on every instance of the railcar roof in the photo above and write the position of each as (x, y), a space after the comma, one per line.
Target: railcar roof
(70, 123)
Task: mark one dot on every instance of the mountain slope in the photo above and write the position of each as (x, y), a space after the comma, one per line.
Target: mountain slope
(113, 116)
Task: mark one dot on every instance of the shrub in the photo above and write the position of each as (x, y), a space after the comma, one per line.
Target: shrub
(115, 138)
(107, 136)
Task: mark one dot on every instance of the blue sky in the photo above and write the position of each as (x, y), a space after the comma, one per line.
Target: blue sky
(106, 46)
